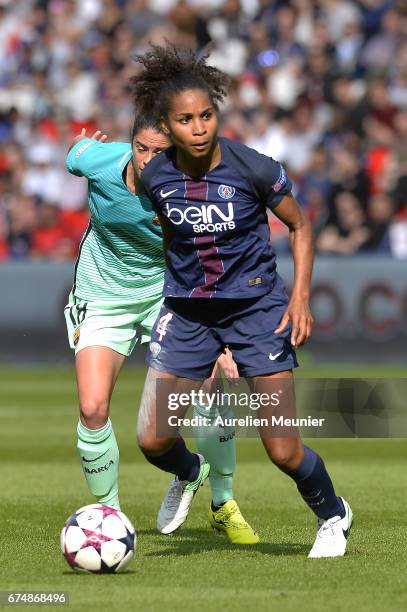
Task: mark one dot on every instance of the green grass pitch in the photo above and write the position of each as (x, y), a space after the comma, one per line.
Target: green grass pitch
(41, 484)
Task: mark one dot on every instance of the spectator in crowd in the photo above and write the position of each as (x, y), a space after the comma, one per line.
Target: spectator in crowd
(50, 239)
(380, 213)
(350, 232)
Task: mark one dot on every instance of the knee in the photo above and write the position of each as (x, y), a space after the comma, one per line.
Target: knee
(94, 412)
(150, 445)
(286, 458)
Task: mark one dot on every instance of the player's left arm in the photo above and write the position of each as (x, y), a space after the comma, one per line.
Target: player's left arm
(298, 310)
(226, 364)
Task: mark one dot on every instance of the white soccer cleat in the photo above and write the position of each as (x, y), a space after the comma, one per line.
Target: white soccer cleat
(332, 535)
(175, 506)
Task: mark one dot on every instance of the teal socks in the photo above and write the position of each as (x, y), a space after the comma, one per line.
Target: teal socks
(218, 445)
(99, 455)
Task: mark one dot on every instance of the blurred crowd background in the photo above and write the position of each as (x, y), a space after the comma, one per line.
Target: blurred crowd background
(320, 85)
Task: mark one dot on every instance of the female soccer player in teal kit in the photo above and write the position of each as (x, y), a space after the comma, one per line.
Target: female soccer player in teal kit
(117, 288)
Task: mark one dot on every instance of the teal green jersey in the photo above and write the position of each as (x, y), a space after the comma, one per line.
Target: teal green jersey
(121, 257)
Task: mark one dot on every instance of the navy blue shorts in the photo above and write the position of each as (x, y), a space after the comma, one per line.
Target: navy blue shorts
(190, 334)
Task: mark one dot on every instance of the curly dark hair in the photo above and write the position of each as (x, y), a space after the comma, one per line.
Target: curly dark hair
(170, 70)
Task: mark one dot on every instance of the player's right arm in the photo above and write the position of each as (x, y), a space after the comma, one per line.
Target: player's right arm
(81, 159)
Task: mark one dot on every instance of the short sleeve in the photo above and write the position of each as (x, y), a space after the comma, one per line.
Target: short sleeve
(265, 175)
(82, 159)
(274, 180)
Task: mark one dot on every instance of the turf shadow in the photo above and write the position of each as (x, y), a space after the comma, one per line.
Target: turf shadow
(75, 574)
(196, 541)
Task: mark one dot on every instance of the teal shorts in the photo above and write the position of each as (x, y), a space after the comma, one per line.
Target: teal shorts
(110, 324)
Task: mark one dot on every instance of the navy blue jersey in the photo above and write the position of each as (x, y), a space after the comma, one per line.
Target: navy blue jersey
(220, 240)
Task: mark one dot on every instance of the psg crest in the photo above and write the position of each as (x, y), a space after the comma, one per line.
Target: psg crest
(226, 192)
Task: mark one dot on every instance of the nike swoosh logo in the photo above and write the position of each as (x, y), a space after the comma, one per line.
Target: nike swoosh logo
(273, 357)
(165, 194)
(96, 458)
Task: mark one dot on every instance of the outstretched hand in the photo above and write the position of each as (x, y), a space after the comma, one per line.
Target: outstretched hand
(98, 135)
(298, 312)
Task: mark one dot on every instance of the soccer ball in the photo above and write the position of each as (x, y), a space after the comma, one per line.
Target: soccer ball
(98, 539)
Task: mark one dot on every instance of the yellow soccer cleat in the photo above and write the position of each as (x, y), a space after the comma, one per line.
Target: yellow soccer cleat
(230, 520)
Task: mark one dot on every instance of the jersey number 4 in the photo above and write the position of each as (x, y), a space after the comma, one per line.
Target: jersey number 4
(162, 325)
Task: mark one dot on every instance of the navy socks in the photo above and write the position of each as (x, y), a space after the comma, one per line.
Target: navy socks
(315, 486)
(178, 460)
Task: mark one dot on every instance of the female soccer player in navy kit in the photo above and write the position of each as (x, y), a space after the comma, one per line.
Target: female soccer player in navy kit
(221, 287)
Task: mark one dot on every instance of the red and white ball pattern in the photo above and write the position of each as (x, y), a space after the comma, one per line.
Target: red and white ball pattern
(98, 539)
